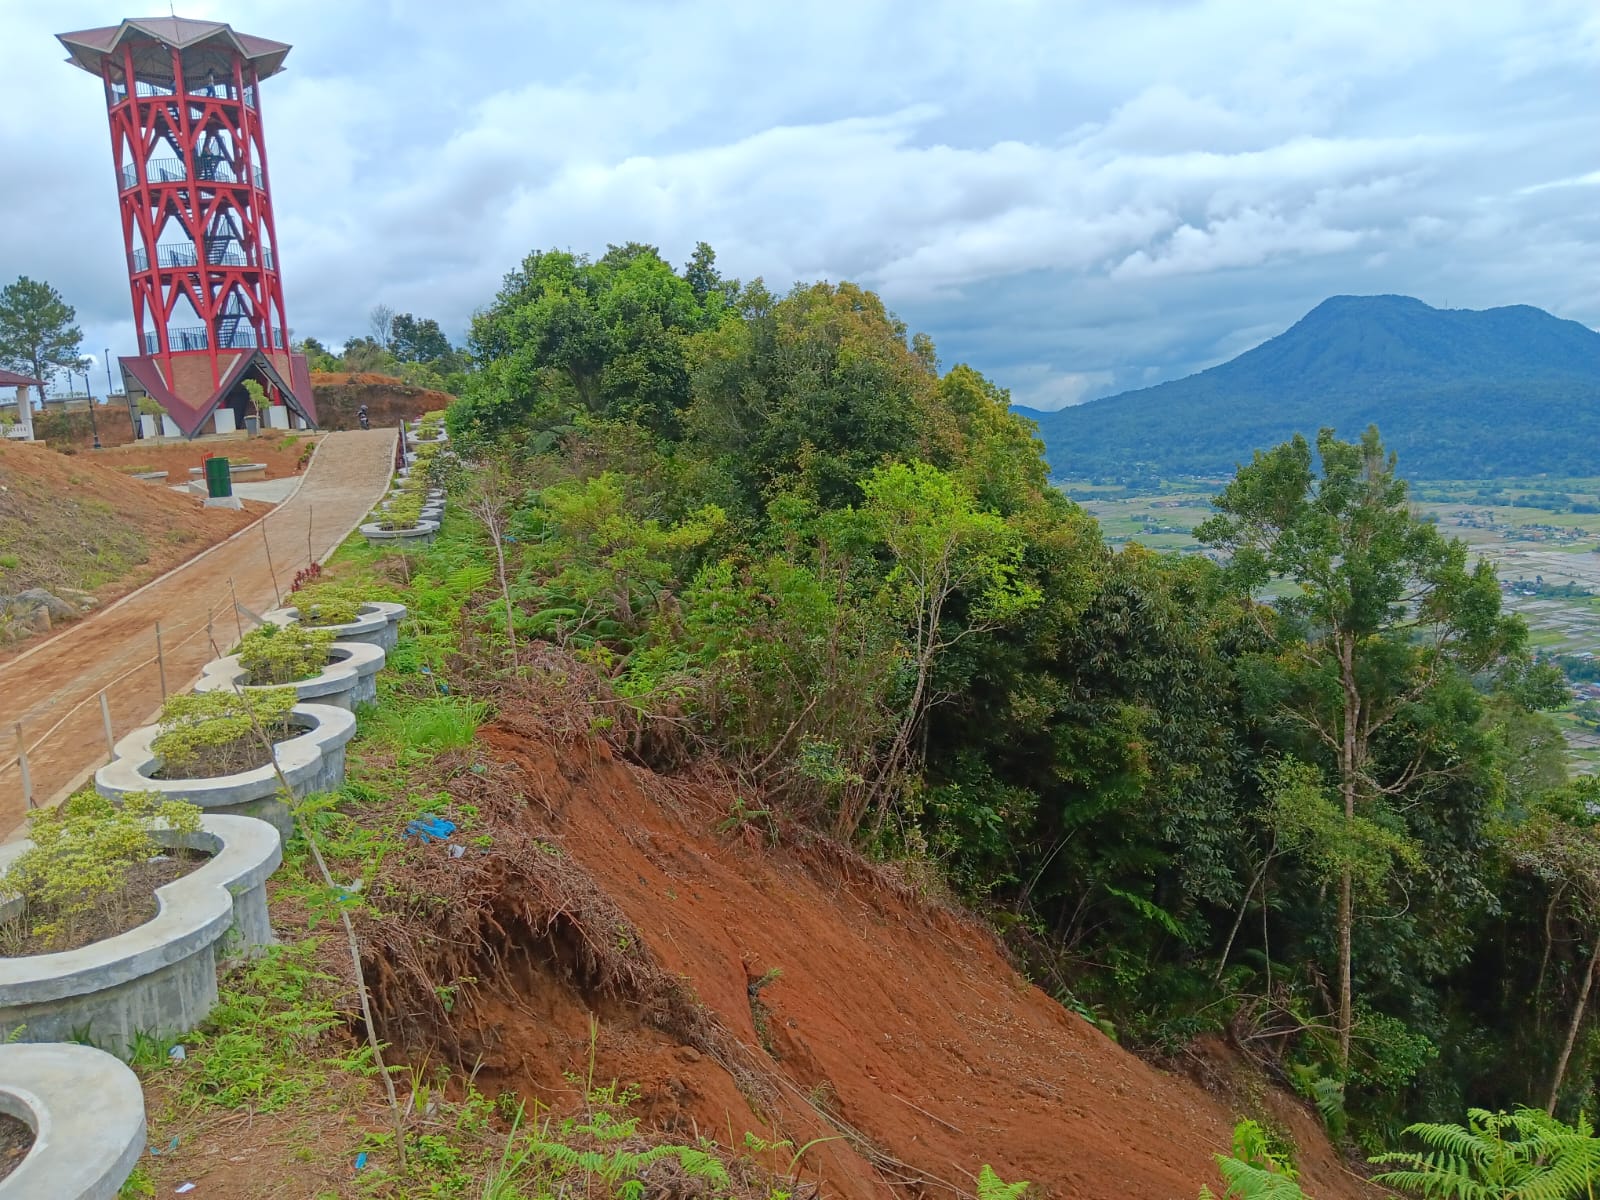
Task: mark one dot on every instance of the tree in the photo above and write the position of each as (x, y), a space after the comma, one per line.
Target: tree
(1560, 842)
(418, 340)
(1384, 616)
(37, 330)
(381, 321)
(953, 574)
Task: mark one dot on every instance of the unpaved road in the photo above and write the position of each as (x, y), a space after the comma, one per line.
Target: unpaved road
(53, 688)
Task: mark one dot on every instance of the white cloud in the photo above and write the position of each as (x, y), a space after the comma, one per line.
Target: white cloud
(1074, 197)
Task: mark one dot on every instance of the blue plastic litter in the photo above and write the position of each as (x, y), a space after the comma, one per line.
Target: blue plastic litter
(361, 1161)
(430, 829)
(171, 1146)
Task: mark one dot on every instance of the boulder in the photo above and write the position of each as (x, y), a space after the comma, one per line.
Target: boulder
(36, 598)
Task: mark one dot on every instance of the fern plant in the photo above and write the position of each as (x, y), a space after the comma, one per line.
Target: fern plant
(1254, 1171)
(992, 1187)
(1523, 1155)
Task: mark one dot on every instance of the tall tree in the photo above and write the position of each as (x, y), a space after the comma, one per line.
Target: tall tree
(38, 333)
(1383, 615)
(417, 339)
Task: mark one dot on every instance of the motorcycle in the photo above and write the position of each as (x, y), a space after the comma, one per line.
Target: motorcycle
(362, 418)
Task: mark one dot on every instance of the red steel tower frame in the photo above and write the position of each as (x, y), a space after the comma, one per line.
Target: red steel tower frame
(183, 98)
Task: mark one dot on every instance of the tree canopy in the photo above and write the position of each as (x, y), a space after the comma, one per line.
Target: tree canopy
(38, 330)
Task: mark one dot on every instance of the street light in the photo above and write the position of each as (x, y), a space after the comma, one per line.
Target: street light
(133, 421)
(85, 365)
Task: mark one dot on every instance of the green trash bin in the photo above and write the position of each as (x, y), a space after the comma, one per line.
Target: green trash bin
(219, 477)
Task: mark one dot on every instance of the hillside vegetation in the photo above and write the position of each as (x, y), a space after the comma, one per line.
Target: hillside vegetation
(1460, 394)
(1336, 829)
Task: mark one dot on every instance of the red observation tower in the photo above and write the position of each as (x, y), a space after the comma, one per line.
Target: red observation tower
(184, 100)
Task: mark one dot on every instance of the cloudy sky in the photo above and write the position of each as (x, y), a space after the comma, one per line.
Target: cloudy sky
(1075, 197)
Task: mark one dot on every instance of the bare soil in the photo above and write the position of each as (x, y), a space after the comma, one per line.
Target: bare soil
(16, 1139)
(130, 907)
(793, 991)
(68, 519)
(284, 454)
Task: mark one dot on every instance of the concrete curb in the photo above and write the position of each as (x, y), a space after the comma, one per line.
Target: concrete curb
(87, 1116)
(311, 762)
(159, 978)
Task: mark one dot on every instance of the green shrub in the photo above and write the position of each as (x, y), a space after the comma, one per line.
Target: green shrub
(404, 511)
(276, 654)
(205, 734)
(328, 604)
(81, 856)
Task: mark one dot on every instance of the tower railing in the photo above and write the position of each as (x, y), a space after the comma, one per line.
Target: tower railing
(184, 254)
(209, 168)
(198, 337)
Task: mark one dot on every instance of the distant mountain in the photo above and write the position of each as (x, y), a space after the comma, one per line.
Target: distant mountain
(1459, 393)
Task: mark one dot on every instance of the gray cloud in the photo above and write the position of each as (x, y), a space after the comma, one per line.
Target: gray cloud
(1076, 198)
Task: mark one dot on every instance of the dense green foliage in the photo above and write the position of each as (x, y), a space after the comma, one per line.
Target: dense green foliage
(1460, 395)
(773, 528)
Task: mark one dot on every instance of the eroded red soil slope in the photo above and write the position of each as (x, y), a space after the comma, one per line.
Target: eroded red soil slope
(898, 1022)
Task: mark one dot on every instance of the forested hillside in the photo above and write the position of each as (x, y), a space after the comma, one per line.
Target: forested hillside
(782, 540)
(1460, 394)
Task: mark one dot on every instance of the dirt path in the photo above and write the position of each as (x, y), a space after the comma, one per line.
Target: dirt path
(52, 689)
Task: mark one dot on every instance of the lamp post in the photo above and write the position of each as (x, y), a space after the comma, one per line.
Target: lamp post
(84, 365)
(133, 421)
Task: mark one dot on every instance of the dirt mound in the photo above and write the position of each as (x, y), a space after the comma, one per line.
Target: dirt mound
(832, 1002)
(69, 521)
(388, 400)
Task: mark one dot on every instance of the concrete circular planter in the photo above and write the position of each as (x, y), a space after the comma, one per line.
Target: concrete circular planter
(312, 761)
(377, 623)
(349, 679)
(87, 1116)
(159, 978)
(420, 534)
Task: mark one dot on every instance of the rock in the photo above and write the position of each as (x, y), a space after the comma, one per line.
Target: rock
(80, 599)
(36, 598)
(40, 619)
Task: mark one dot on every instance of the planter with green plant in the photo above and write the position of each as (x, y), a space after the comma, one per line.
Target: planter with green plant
(302, 657)
(400, 522)
(343, 612)
(98, 949)
(86, 1113)
(224, 751)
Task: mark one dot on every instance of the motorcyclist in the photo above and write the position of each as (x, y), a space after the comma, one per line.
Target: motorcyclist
(361, 416)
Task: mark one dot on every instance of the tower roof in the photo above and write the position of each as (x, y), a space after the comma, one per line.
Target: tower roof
(205, 45)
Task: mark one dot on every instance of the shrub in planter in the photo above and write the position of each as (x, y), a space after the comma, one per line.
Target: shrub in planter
(73, 877)
(403, 512)
(276, 654)
(205, 734)
(328, 604)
